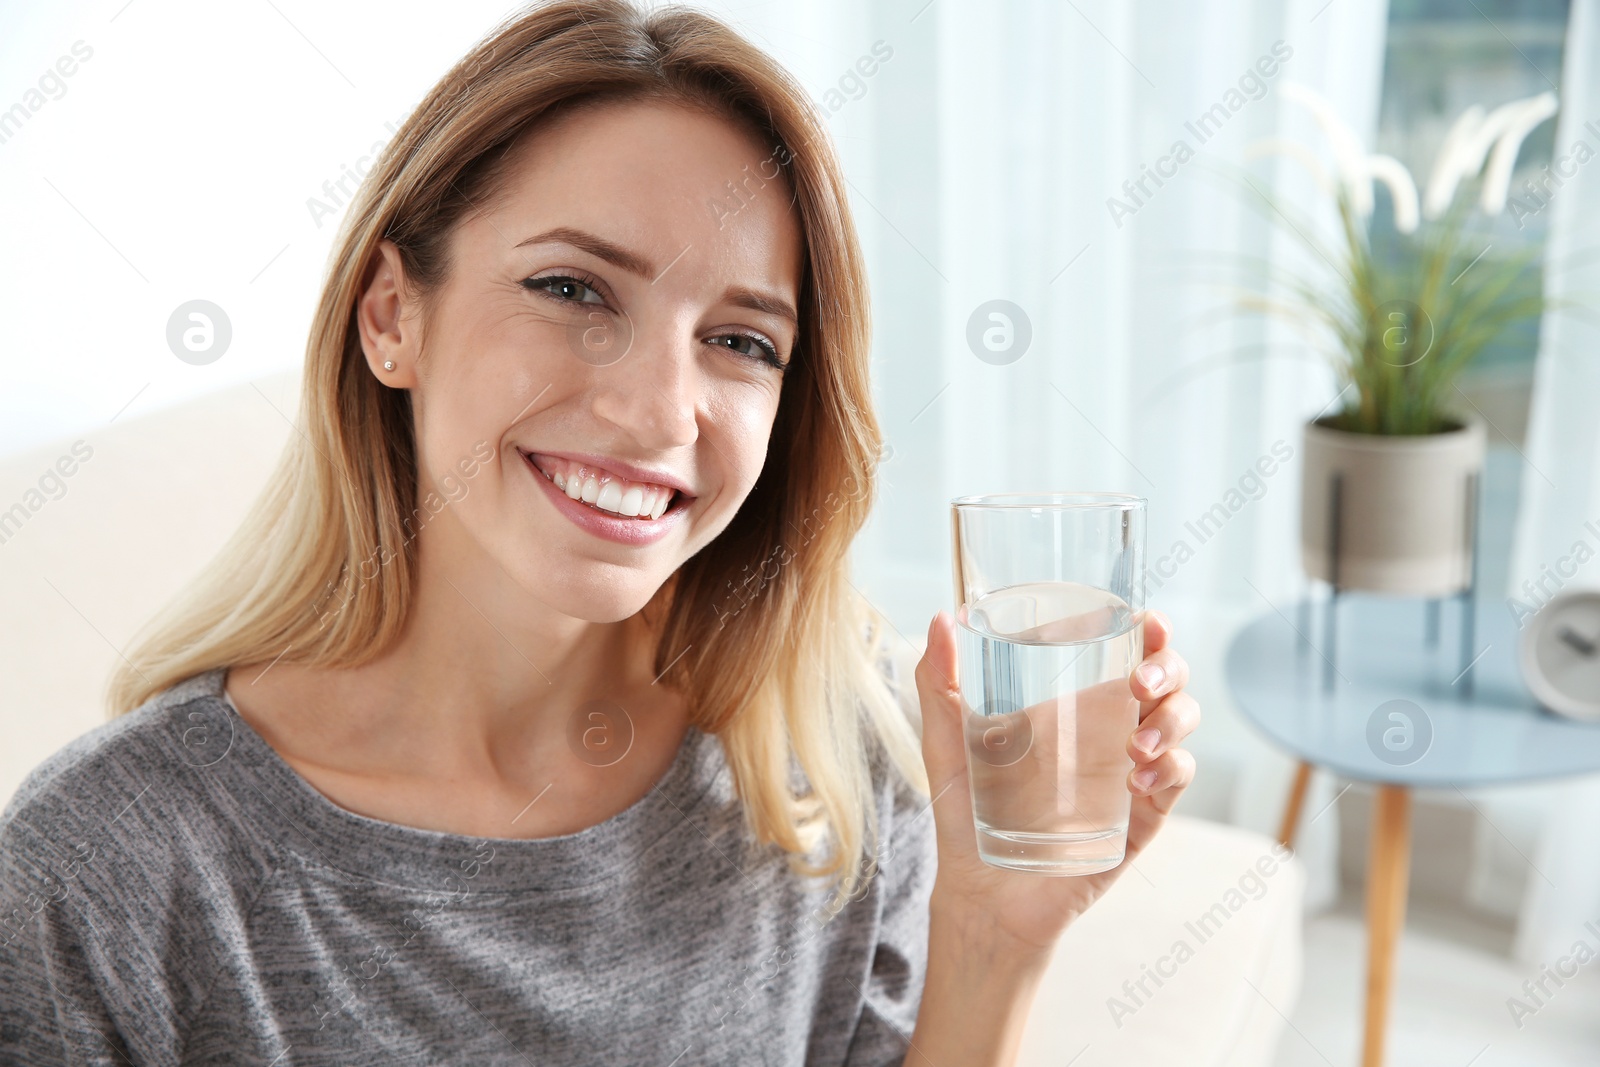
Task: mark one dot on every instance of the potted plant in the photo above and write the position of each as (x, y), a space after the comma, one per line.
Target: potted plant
(1389, 477)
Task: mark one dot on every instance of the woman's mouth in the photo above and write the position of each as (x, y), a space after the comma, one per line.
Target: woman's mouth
(605, 491)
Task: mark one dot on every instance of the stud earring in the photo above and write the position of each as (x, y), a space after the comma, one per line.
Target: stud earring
(388, 364)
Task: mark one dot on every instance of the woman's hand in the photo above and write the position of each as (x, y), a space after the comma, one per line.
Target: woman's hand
(1018, 911)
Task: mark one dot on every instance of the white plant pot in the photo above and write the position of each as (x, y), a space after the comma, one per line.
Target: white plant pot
(1403, 504)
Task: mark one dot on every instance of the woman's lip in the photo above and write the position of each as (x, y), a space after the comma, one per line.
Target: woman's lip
(617, 467)
(621, 529)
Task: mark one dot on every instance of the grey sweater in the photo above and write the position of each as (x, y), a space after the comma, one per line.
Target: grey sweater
(173, 892)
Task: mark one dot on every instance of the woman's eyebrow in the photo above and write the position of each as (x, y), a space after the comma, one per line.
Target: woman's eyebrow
(740, 296)
(632, 262)
(596, 246)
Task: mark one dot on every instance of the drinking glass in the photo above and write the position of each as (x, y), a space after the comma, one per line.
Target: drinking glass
(1049, 603)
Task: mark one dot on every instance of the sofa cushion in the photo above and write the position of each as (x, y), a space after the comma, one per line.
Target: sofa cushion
(1193, 956)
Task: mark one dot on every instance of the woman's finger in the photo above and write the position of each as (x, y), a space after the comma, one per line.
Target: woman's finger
(1157, 631)
(1174, 772)
(1164, 727)
(1161, 672)
(1163, 778)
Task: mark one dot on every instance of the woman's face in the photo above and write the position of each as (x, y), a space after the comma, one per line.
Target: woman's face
(606, 356)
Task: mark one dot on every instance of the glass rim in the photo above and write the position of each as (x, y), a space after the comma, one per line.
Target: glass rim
(1059, 500)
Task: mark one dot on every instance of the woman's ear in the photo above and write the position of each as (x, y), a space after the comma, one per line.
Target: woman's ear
(386, 322)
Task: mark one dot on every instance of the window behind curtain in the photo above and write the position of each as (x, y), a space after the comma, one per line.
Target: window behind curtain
(1441, 57)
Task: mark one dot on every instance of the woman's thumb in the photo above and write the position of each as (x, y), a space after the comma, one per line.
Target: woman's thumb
(944, 746)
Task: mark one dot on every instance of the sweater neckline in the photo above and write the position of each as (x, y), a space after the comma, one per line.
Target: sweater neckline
(310, 824)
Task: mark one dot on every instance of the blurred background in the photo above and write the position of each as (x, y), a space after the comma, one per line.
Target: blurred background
(154, 153)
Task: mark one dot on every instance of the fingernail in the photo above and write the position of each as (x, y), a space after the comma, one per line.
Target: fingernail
(1142, 779)
(1151, 675)
(1146, 739)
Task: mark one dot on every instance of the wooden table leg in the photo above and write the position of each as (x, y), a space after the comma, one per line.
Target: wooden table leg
(1297, 799)
(1388, 871)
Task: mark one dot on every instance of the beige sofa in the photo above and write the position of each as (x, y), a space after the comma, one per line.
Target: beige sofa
(1193, 958)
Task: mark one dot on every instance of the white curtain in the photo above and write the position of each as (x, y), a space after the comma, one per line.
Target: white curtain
(1560, 505)
(982, 156)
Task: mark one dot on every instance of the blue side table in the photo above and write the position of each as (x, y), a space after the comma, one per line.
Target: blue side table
(1396, 716)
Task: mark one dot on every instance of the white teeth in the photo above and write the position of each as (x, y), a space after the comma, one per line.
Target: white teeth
(610, 493)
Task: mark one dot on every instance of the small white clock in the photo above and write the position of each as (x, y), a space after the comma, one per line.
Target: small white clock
(1561, 655)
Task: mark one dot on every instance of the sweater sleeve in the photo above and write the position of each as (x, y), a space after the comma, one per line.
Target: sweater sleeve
(50, 1009)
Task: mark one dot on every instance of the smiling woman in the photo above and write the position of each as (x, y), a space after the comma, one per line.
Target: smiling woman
(533, 771)
(494, 334)
(668, 397)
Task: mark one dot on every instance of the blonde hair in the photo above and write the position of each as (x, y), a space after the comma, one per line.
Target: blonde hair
(798, 676)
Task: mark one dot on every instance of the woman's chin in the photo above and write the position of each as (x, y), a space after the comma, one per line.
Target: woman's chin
(600, 599)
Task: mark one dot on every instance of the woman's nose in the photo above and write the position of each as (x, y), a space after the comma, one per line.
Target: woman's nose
(651, 393)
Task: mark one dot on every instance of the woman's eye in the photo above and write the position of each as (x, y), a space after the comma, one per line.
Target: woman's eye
(754, 347)
(565, 287)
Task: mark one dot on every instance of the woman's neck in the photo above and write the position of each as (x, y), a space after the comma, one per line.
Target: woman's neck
(485, 683)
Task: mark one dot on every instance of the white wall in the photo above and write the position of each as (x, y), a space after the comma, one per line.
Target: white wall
(175, 164)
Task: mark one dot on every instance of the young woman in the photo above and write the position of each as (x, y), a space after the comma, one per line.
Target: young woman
(531, 717)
